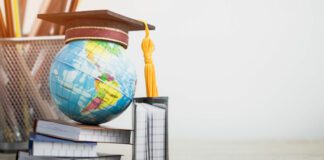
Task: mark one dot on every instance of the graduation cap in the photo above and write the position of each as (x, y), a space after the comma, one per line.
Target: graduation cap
(97, 24)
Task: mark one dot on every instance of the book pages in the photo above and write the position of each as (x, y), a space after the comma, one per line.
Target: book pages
(150, 132)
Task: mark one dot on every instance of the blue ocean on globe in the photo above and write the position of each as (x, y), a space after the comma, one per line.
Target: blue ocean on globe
(92, 81)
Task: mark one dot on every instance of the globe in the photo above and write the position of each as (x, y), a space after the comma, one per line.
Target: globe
(92, 81)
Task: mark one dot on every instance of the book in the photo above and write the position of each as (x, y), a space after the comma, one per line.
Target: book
(25, 156)
(114, 148)
(86, 133)
(40, 145)
(150, 132)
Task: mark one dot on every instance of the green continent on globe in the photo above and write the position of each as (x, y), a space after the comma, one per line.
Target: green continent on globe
(92, 81)
(107, 88)
(101, 47)
(107, 94)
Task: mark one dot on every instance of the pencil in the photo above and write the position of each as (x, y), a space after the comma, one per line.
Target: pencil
(74, 5)
(42, 28)
(72, 8)
(22, 12)
(16, 18)
(3, 30)
(9, 18)
(62, 8)
(37, 23)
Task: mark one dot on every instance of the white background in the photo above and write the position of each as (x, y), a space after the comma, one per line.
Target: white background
(233, 69)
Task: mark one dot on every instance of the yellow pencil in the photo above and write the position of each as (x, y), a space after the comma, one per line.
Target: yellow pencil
(16, 19)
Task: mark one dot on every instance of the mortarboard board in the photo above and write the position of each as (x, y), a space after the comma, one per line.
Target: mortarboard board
(98, 24)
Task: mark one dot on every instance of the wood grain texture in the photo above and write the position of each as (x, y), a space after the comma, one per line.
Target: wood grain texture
(95, 18)
(3, 28)
(72, 8)
(73, 5)
(22, 11)
(43, 28)
(9, 18)
(58, 29)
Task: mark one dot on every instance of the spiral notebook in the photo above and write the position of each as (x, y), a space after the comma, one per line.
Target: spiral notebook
(151, 136)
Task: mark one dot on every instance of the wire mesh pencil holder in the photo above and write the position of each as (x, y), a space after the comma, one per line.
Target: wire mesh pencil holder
(24, 91)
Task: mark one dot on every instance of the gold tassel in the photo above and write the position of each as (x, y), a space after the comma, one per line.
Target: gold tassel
(148, 48)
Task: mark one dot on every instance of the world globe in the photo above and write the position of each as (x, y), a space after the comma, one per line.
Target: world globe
(92, 81)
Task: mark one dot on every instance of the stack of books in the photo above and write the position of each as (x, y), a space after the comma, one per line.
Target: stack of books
(62, 140)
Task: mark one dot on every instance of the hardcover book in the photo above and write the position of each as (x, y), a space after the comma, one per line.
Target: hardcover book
(40, 145)
(25, 156)
(86, 133)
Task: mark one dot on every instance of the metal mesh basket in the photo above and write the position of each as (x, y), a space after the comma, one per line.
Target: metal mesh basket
(24, 91)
